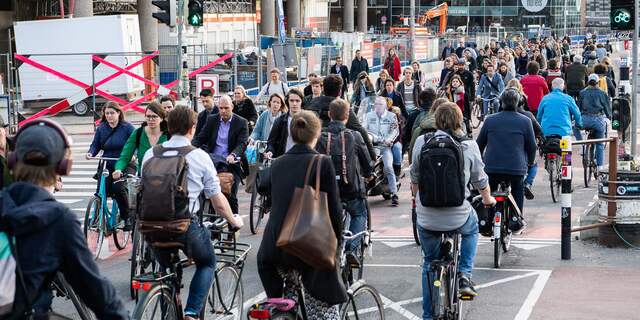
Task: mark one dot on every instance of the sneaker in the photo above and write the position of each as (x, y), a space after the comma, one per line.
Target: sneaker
(353, 260)
(519, 231)
(394, 200)
(466, 286)
(527, 192)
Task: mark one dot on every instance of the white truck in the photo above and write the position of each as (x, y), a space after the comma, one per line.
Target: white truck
(66, 45)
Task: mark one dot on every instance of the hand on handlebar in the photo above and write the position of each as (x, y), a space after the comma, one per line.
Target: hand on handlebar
(489, 202)
(237, 222)
(268, 154)
(232, 159)
(116, 175)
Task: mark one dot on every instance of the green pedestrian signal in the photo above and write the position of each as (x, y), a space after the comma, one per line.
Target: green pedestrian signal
(196, 13)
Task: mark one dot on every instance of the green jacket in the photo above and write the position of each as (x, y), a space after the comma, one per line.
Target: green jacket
(130, 147)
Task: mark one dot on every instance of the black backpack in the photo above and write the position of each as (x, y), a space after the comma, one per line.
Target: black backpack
(442, 181)
(341, 148)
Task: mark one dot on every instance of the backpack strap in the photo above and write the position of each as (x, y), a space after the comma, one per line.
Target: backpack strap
(344, 158)
(139, 135)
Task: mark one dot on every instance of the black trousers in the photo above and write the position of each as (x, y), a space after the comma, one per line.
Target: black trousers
(515, 181)
(233, 197)
(118, 191)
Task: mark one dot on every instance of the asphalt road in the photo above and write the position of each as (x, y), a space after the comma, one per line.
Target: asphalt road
(395, 265)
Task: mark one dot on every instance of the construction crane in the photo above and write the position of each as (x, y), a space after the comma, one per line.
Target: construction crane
(441, 11)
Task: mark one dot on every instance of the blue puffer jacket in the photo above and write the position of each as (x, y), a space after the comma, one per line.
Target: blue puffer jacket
(555, 113)
(49, 239)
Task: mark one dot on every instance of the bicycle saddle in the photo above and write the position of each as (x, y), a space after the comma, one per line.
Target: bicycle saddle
(282, 304)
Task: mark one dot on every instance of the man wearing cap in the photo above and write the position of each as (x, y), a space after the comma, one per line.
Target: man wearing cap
(48, 236)
(5, 177)
(594, 105)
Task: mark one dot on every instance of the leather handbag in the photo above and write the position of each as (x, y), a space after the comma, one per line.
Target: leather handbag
(226, 182)
(307, 232)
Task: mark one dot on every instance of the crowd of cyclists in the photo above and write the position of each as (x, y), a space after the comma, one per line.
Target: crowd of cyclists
(530, 93)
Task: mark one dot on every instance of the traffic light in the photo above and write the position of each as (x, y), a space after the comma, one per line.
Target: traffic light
(167, 13)
(196, 13)
(621, 116)
(622, 15)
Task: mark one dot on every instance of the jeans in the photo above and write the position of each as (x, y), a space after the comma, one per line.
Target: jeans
(197, 246)
(598, 125)
(485, 106)
(387, 159)
(430, 244)
(357, 209)
(516, 183)
(531, 174)
(396, 149)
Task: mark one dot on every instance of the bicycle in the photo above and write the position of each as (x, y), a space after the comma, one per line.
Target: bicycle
(505, 210)
(589, 164)
(63, 290)
(260, 204)
(477, 116)
(362, 298)
(161, 289)
(554, 167)
(446, 300)
(99, 220)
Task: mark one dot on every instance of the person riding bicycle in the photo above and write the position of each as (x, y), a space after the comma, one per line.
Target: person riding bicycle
(556, 112)
(279, 270)
(275, 85)
(353, 161)
(490, 86)
(534, 86)
(276, 107)
(382, 125)
(595, 105)
(462, 218)
(48, 235)
(510, 147)
(201, 178)
(110, 138)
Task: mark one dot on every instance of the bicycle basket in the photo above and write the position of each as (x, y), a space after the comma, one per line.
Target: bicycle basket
(133, 187)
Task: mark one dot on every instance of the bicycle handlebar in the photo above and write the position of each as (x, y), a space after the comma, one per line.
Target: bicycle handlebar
(103, 158)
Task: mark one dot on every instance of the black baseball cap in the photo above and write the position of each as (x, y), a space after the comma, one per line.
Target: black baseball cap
(40, 145)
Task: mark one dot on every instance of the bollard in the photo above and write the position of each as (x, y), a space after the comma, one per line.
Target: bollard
(565, 199)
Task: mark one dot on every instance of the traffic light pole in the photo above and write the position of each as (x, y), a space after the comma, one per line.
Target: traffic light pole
(634, 80)
(180, 72)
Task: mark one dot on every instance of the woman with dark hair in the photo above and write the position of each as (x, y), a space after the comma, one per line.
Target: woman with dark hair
(395, 96)
(392, 65)
(521, 63)
(455, 91)
(362, 87)
(110, 137)
(280, 140)
(323, 289)
(150, 133)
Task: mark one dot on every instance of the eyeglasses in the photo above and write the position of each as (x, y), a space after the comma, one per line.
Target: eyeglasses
(152, 117)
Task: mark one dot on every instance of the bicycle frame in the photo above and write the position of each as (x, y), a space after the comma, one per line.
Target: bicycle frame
(447, 265)
(101, 192)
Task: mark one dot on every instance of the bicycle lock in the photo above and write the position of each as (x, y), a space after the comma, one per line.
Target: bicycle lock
(566, 193)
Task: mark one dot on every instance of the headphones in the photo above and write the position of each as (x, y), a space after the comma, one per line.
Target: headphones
(63, 167)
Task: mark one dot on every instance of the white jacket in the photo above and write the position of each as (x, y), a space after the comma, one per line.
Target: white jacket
(383, 128)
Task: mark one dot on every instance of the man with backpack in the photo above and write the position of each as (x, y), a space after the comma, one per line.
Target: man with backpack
(40, 236)
(174, 174)
(275, 85)
(441, 194)
(351, 161)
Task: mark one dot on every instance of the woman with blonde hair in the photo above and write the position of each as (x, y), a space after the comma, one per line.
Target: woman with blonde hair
(382, 77)
(243, 105)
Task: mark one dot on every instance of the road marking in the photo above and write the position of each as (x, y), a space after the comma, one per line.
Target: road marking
(83, 173)
(79, 186)
(397, 307)
(69, 201)
(507, 279)
(532, 298)
(256, 299)
(73, 179)
(72, 194)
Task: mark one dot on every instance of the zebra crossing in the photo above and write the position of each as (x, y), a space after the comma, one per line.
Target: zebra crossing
(522, 243)
(79, 186)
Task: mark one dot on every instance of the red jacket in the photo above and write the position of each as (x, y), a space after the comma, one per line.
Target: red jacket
(535, 87)
(393, 68)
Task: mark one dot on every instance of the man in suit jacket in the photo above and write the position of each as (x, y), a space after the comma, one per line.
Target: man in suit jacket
(206, 96)
(343, 72)
(224, 136)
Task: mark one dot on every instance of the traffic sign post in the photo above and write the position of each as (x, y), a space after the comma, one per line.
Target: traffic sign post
(565, 199)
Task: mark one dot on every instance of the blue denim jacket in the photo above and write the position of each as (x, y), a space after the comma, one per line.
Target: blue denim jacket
(594, 101)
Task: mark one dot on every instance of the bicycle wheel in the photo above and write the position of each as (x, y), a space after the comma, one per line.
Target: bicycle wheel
(439, 291)
(497, 243)
(226, 295)
(255, 210)
(363, 303)
(137, 261)
(476, 116)
(120, 237)
(506, 237)
(586, 166)
(593, 166)
(94, 226)
(414, 223)
(157, 303)
(84, 313)
(551, 168)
